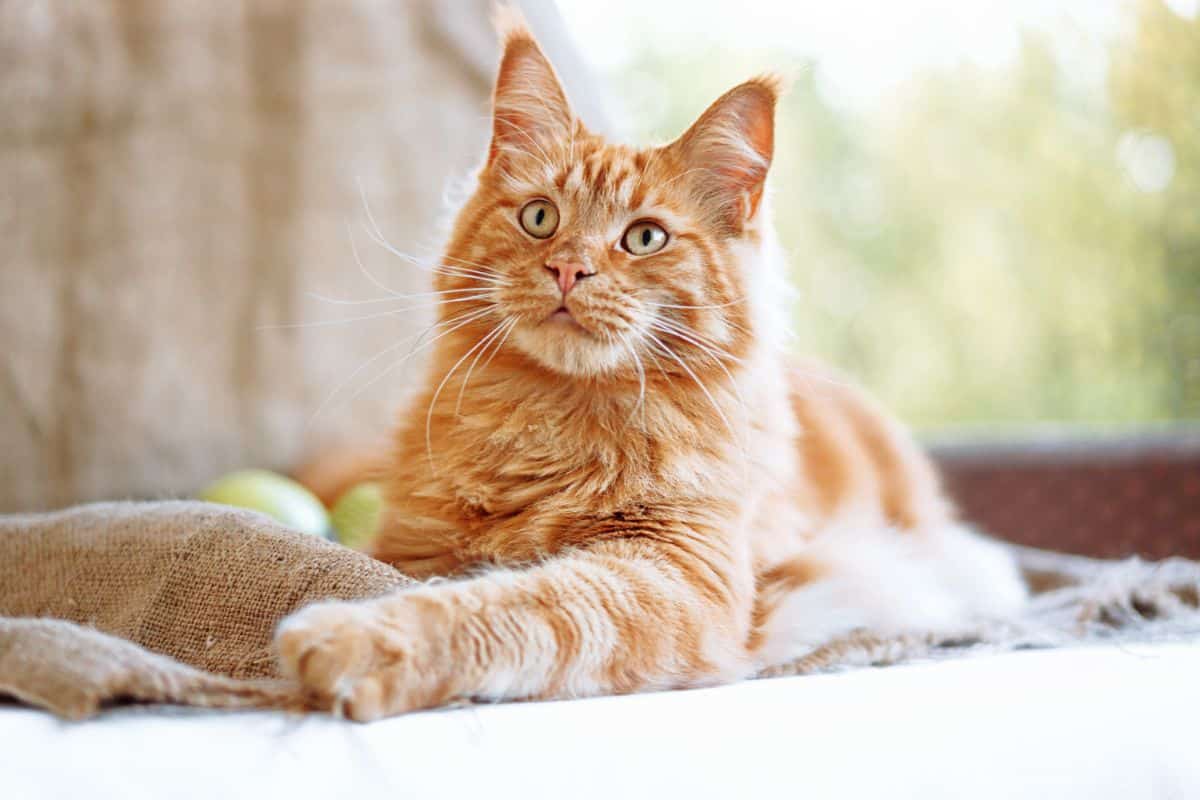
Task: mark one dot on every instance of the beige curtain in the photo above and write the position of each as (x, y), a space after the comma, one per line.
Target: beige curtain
(176, 177)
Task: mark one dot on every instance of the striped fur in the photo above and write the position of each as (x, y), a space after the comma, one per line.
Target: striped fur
(646, 495)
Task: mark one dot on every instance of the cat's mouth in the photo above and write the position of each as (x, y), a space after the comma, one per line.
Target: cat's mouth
(563, 316)
(568, 340)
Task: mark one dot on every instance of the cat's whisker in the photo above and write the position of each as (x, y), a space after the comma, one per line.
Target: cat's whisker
(500, 345)
(363, 267)
(459, 316)
(702, 337)
(415, 296)
(450, 269)
(433, 267)
(374, 232)
(358, 370)
(690, 336)
(716, 356)
(695, 339)
(438, 391)
(667, 351)
(325, 323)
(347, 380)
(743, 407)
(490, 302)
(503, 327)
(658, 364)
(717, 359)
(724, 320)
(641, 371)
(462, 320)
(709, 348)
(715, 305)
(484, 267)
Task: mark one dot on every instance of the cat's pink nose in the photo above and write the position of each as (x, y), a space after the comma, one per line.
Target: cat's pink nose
(567, 273)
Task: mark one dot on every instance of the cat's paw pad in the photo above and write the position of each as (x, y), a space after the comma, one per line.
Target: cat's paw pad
(342, 657)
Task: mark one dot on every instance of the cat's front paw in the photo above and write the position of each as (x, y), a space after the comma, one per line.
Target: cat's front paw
(356, 659)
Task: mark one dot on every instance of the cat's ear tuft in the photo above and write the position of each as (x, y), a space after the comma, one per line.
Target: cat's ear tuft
(509, 21)
(530, 113)
(730, 148)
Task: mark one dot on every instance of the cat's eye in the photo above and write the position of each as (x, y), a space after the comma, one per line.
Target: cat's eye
(644, 238)
(539, 218)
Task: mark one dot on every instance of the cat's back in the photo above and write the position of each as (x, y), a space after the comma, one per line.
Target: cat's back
(855, 457)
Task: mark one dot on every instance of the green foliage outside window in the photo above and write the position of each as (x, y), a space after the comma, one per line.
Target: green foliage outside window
(991, 246)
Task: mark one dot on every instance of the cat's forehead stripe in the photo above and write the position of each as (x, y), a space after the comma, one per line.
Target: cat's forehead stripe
(595, 170)
(574, 179)
(607, 177)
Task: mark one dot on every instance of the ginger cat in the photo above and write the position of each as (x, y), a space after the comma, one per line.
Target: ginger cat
(611, 460)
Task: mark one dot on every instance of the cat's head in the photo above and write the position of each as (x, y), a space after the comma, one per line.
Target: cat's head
(595, 258)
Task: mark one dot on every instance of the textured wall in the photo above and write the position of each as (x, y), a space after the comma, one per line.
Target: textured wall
(177, 174)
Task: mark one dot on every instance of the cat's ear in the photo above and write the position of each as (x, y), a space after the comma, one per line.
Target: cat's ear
(530, 113)
(729, 148)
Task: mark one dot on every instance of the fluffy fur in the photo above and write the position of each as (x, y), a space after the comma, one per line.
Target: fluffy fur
(626, 485)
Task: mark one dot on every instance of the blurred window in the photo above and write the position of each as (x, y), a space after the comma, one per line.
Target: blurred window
(992, 210)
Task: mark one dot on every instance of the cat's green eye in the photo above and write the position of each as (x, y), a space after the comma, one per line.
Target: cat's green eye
(644, 238)
(539, 218)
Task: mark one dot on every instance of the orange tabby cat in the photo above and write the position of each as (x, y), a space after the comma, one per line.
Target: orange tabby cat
(628, 486)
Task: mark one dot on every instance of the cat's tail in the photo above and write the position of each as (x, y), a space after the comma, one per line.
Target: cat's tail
(942, 581)
(335, 470)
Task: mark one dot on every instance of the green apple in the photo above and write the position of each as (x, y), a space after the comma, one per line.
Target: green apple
(272, 494)
(357, 513)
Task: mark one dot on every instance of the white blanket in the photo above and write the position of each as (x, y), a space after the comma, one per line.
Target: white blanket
(1091, 722)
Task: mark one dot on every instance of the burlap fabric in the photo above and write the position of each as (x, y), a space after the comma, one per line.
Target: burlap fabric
(176, 602)
(127, 594)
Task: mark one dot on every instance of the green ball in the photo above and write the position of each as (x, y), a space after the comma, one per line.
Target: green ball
(357, 514)
(273, 495)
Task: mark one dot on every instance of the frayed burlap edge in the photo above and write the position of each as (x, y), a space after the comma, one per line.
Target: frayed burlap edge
(92, 670)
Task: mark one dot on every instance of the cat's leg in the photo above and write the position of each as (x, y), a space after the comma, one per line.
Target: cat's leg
(883, 581)
(669, 609)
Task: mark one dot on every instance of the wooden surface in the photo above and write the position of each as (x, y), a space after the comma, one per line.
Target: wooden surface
(1109, 497)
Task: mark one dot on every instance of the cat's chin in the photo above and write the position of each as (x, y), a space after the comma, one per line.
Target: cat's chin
(564, 345)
